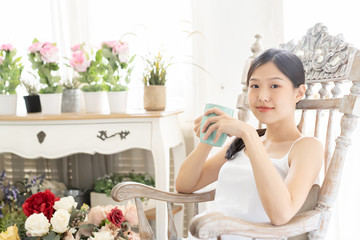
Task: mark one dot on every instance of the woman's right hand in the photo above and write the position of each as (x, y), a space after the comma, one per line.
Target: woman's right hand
(197, 123)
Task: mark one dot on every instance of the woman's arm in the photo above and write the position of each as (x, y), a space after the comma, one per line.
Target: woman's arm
(282, 199)
(197, 171)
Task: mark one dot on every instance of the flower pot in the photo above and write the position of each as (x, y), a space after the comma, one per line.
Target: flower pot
(71, 100)
(96, 102)
(8, 104)
(117, 101)
(32, 103)
(155, 98)
(51, 103)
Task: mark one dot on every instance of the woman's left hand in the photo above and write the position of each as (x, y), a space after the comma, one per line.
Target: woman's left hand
(223, 123)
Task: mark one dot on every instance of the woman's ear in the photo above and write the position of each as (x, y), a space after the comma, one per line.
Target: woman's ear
(300, 92)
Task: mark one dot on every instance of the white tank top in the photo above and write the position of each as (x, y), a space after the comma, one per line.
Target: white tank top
(236, 192)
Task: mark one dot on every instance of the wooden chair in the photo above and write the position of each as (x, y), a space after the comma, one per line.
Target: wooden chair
(330, 63)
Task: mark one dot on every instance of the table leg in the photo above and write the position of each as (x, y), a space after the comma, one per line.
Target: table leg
(161, 164)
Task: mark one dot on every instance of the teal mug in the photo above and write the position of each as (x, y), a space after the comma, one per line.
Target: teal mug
(211, 138)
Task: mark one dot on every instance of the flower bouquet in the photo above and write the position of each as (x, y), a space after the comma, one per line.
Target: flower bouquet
(10, 73)
(89, 72)
(44, 58)
(119, 65)
(10, 69)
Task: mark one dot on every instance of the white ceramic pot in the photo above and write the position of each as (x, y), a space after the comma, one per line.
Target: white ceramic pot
(96, 102)
(118, 101)
(8, 104)
(51, 103)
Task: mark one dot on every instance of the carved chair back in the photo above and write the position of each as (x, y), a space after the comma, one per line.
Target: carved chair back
(332, 76)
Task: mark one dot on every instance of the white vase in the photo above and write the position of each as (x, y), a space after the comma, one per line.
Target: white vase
(96, 102)
(50, 103)
(8, 104)
(118, 101)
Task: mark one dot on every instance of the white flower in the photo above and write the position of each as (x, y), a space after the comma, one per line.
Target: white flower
(37, 225)
(102, 235)
(60, 221)
(65, 203)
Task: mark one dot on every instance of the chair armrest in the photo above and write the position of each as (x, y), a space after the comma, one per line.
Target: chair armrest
(215, 224)
(127, 190)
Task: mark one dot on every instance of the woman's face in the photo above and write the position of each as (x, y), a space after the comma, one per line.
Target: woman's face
(271, 94)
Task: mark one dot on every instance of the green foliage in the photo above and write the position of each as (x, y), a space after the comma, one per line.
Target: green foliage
(31, 88)
(92, 78)
(118, 74)
(13, 214)
(155, 71)
(105, 184)
(10, 72)
(71, 84)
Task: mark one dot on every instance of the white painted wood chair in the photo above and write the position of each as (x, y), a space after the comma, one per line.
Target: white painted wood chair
(330, 63)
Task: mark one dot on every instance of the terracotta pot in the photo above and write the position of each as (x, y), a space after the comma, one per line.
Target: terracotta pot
(155, 98)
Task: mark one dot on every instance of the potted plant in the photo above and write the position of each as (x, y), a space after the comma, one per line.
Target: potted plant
(32, 100)
(10, 73)
(154, 83)
(44, 59)
(100, 194)
(71, 96)
(89, 74)
(118, 74)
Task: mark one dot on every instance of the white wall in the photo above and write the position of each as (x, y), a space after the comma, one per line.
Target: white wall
(227, 30)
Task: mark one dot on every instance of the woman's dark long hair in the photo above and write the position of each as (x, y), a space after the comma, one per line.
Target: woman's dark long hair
(287, 63)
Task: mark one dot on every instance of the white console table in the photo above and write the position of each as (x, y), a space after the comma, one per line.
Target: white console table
(55, 136)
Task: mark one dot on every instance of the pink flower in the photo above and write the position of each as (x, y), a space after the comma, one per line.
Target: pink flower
(76, 47)
(130, 214)
(96, 215)
(79, 61)
(7, 47)
(49, 53)
(1, 60)
(122, 50)
(111, 44)
(35, 47)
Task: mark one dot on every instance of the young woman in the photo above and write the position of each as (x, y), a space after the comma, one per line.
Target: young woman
(264, 175)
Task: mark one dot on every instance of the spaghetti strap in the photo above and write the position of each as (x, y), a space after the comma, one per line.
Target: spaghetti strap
(297, 141)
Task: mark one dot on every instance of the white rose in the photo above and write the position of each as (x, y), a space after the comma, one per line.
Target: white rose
(37, 225)
(60, 221)
(65, 203)
(102, 235)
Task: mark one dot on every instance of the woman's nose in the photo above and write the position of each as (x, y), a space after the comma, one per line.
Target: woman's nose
(263, 95)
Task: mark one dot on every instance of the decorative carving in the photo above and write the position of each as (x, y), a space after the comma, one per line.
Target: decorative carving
(103, 135)
(41, 136)
(324, 56)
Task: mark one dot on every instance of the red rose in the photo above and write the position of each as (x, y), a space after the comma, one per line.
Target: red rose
(116, 217)
(41, 202)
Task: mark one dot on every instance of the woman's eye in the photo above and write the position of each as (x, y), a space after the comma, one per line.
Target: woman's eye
(274, 86)
(254, 86)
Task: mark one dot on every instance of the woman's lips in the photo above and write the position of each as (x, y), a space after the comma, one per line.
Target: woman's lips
(264, 109)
